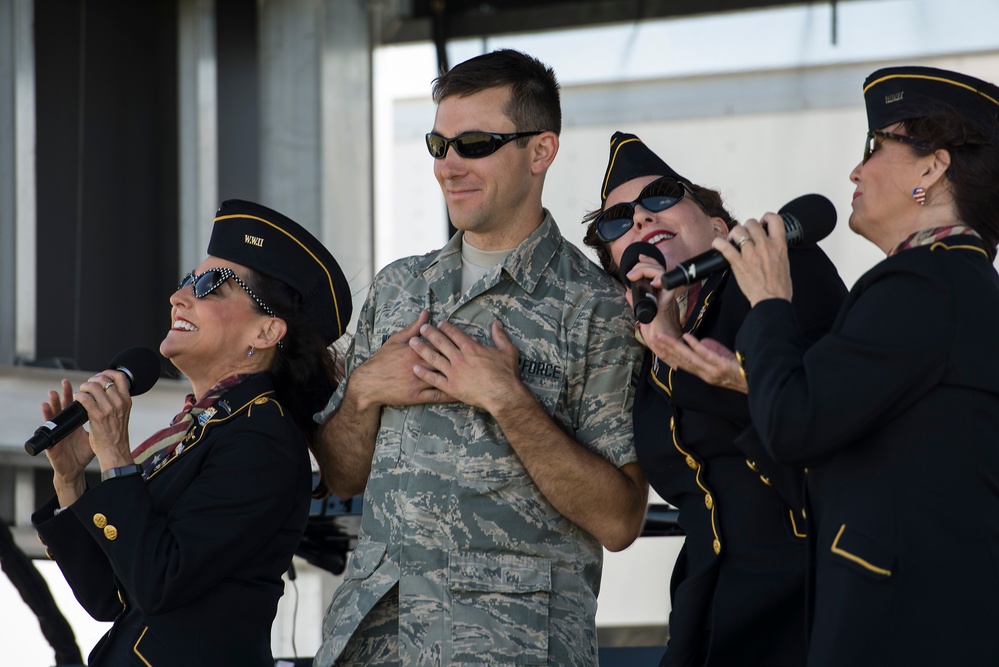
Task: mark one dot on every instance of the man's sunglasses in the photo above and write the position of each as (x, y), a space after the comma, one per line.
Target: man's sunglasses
(659, 195)
(205, 283)
(876, 137)
(472, 144)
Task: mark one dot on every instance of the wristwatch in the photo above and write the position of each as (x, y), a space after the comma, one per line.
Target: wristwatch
(120, 471)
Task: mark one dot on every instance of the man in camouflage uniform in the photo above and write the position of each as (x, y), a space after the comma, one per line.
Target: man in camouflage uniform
(488, 407)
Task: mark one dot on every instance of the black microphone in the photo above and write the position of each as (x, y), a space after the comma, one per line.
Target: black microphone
(643, 296)
(139, 364)
(807, 220)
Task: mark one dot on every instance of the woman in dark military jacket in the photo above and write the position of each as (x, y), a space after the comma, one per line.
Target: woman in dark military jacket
(896, 410)
(737, 591)
(184, 541)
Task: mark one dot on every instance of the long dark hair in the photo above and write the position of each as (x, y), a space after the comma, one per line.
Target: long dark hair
(305, 370)
(973, 174)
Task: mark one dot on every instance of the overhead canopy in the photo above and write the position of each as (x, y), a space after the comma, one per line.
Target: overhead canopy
(403, 21)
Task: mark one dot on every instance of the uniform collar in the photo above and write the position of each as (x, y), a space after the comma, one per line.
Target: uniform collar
(525, 265)
(930, 237)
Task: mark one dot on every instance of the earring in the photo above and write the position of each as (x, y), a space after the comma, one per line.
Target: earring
(919, 194)
(250, 353)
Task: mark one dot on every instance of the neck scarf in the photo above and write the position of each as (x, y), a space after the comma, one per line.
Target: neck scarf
(931, 236)
(167, 443)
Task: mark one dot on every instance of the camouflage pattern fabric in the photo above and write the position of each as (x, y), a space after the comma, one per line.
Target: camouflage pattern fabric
(488, 572)
(375, 643)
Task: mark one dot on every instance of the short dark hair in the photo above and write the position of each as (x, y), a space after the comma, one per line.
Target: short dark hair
(973, 173)
(534, 100)
(708, 200)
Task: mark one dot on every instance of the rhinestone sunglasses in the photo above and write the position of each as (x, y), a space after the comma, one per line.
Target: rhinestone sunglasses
(205, 283)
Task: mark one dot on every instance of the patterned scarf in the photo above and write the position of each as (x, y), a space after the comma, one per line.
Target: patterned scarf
(931, 236)
(167, 443)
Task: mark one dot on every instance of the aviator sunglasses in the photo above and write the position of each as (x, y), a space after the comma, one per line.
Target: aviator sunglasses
(472, 144)
(876, 137)
(205, 283)
(655, 197)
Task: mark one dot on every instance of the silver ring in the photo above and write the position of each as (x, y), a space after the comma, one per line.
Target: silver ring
(743, 241)
(110, 383)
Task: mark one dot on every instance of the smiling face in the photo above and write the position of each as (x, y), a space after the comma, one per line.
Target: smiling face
(496, 199)
(680, 232)
(209, 337)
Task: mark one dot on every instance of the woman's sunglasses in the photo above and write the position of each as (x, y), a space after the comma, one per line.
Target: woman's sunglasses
(659, 195)
(876, 137)
(472, 144)
(205, 283)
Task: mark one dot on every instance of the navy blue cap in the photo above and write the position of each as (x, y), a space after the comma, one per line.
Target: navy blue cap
(894, 94)
(275, 245)
(630, 159)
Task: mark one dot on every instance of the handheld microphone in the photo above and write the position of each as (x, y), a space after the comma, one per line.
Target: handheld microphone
(643, 296)
(139, 364)
(807, 220)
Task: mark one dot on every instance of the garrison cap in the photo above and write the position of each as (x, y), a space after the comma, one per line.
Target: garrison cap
(895, 94)
(629, 159)
(275, 245)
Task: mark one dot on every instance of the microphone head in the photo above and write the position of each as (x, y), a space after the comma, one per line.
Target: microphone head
(630, 258)
(808, 219)
(142, 367)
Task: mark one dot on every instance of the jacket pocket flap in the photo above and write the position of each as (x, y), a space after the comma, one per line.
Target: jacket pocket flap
(364, 560)
(863, 552)
(501, 573)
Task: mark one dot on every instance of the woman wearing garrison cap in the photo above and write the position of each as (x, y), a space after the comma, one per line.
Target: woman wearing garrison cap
(737, 591)
(184, 541)
(896, 410)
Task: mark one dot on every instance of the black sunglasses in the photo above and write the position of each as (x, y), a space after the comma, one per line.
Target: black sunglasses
(205, 283)
(659, 195)
(472, 144)
(876, 137)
